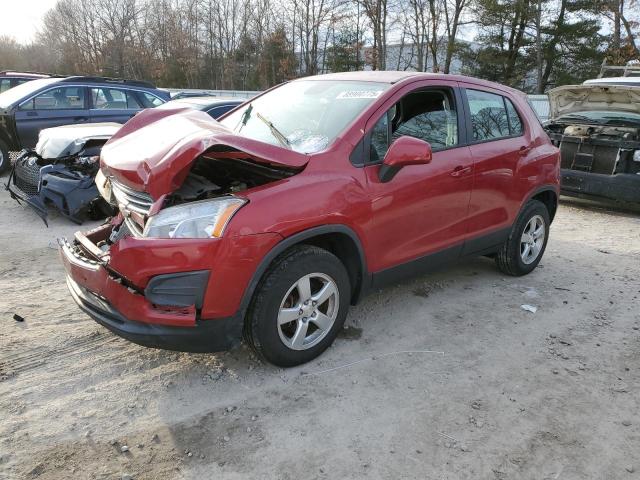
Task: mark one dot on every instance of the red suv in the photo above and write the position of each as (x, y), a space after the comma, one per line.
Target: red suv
(276, 218)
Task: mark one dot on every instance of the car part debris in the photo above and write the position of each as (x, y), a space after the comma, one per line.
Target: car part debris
(60, 171)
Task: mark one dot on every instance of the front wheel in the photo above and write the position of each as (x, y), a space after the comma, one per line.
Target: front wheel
(524, 248)
(5, 161)
(299, 307)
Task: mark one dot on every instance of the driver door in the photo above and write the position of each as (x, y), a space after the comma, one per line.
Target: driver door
(419, 218)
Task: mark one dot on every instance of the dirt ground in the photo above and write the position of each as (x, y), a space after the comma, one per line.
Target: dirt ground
(442, 377)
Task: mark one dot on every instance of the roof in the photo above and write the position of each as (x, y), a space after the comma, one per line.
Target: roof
(391, 76)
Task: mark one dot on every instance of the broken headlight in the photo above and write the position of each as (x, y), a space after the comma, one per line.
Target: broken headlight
(104, 187)
(203, 219)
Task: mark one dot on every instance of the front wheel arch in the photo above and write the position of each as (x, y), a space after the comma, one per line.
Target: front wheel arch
(338, 239)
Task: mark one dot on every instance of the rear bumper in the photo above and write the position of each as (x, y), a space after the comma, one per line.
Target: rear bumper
(623, 187)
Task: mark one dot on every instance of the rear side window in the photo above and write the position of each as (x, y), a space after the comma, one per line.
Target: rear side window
(114, 99)
(150, 101)
(515, 123)
(62, 98)
(5, 84)
(492, 116)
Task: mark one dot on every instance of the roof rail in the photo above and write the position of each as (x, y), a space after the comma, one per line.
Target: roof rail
(121, 81)
(631, 69)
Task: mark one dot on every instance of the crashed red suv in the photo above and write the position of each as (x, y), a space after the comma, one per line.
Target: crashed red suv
(276, 218)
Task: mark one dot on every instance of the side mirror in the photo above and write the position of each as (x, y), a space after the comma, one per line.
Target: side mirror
(404, 151)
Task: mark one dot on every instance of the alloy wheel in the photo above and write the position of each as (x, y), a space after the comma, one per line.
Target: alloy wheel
(308, 311)
(532, 239)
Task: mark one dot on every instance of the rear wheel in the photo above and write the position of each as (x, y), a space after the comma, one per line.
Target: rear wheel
(5, 161)
(299, 307)
(524, 248)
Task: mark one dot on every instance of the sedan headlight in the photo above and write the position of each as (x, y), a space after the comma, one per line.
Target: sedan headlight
(104, 187)
(203, 219)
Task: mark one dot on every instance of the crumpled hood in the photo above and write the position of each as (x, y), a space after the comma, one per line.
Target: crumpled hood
(59, 142)
(154, 150)
(581, 98)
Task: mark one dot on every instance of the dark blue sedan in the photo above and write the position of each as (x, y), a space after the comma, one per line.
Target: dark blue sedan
(51, 102)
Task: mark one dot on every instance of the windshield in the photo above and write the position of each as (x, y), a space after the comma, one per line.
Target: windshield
(305, 115)
(602, 117)
(19, 92)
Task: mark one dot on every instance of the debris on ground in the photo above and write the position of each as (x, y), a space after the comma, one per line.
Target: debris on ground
(529, 308)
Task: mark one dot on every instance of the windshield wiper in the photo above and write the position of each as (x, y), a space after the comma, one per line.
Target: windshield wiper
(274, 131)
(245, 117)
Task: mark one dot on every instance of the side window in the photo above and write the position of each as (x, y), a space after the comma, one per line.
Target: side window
(150, 101)
(113, 99)
(429, 115)
(5, 84)
(62, 98)
(515, 123)
(488, 115)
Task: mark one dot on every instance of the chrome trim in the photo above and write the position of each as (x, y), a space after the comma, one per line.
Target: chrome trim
(130, 199)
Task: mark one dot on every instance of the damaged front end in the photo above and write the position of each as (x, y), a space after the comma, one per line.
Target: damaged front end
(60, 172)
(597, 130)
(163, 272)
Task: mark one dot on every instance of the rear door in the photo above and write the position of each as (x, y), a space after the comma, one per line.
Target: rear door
(424, 208)
(62, 105)
(498, 144)
(113, 104)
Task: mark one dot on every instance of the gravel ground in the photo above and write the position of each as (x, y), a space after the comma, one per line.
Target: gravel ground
(441, 377)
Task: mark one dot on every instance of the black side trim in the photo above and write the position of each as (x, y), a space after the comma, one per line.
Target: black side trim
(546, 188)
(178, 289)
(416, 267)
(299, 238)
(488, 243)
(207, 336)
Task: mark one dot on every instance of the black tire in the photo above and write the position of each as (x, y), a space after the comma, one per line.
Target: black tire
(5, 161)
(261, 329)
(508, 258)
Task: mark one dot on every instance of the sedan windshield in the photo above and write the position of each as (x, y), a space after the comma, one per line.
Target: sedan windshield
(603, 117)
(305, 115)
(19, 92)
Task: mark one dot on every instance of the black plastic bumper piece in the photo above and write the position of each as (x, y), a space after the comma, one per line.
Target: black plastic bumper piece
(622, 187)
(178, 289)
(207, 336)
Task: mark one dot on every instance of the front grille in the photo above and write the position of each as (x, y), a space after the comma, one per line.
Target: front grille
(27, 176)
(132, 200)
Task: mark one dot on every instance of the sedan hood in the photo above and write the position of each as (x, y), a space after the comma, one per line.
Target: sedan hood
(154, 150)
(582, 98)
(60, 142)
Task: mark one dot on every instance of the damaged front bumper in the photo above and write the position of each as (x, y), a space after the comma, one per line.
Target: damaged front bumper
(174, 294)
(52, 184)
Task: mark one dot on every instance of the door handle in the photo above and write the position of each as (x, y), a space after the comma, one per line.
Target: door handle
(524, 150)
(32, 114)
(80, 119)
(459, 171)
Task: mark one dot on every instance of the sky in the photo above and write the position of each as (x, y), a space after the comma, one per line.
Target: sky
(21, 19)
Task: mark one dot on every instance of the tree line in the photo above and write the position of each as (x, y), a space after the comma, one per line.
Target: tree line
(255, 44)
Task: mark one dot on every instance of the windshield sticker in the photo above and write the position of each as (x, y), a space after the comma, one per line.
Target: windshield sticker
(359, 94)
